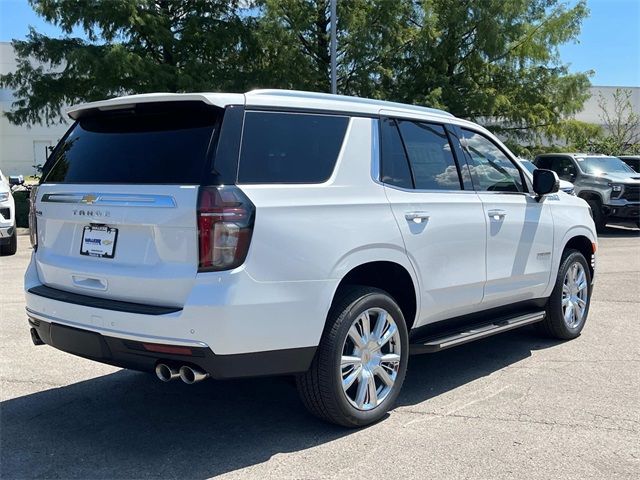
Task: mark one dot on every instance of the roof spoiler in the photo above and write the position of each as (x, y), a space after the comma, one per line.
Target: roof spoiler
(121, 103)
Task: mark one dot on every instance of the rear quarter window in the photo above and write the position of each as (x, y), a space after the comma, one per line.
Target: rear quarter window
(290, 147)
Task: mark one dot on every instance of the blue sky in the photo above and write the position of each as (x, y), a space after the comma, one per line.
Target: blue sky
(609, 43)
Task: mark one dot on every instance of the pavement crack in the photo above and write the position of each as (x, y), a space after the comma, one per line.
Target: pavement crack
(521, 419)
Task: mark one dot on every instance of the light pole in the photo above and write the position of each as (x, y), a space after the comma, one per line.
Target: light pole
(334, 80)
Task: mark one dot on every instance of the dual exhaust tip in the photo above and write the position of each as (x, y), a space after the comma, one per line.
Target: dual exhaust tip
(187, 374)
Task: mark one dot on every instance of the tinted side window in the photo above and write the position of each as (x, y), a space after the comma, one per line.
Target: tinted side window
(491, 169)
(565, 169)
(430, 156)
(395, 167)
(290, 147)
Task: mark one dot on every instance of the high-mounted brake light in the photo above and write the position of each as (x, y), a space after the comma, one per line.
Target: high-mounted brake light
(225, 225)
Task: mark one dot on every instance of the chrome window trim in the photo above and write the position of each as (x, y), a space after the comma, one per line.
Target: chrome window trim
(415, 190)
(375, 151)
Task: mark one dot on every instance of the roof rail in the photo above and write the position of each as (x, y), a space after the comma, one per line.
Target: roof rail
(345, 98)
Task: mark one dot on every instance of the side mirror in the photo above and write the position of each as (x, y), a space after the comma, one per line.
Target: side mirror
(545, 182)
(16, 180)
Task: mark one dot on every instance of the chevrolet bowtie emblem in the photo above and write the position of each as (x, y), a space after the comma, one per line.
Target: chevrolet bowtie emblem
(89, 199)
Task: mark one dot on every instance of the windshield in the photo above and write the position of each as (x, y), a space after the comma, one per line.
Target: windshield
(597, 165)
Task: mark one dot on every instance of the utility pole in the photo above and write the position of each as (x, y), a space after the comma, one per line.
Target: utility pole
(334, 80)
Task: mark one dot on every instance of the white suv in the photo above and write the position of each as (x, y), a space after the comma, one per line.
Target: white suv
(8, 239)
(278, 232)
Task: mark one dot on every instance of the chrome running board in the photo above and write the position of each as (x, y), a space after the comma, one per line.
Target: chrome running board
(475, 333)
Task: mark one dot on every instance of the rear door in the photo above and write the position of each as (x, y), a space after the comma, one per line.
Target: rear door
(116, 210)
(441, 222)
(520, 229)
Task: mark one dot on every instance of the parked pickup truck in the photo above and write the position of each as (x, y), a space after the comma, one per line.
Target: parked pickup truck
(276, 232)
(609, 185)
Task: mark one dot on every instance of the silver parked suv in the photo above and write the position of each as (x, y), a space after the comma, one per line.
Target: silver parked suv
(609, 185)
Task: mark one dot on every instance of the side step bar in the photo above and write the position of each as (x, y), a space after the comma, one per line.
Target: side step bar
(475, 333)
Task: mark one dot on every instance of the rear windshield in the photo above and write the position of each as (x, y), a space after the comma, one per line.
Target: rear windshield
(152, 143)
(290, 147)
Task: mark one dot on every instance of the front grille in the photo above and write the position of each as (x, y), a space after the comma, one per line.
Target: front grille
(631, 193)
(6, 213)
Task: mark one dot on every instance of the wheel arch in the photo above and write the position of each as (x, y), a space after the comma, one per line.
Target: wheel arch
(591, 195)
(584, 245)
(390, 276)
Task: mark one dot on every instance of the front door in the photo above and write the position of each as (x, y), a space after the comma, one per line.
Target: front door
(519, 228)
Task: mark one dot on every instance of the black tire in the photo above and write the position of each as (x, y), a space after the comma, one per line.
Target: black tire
(598, 216)
(320, 388)
(11, 247)
(554, 324)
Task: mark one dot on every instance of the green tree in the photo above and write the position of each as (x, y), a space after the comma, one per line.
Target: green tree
(494, 61)
(621, 124)
(129, 46)
(295, 38)
(576, 135)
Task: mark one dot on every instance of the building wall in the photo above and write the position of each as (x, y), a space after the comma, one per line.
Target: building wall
(591, 111)
(21, 147)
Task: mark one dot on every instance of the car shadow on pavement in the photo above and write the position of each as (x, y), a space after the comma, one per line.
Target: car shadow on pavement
(619, 231)
(129, 425)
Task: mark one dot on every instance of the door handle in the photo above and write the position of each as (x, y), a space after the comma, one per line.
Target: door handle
(416, 217)
(497, 214)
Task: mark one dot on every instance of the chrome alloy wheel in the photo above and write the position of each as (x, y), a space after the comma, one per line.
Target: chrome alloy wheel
(575, 295)
(370, 359)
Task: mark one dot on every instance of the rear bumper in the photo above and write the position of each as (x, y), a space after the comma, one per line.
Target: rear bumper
(136, 356)
(245, 327)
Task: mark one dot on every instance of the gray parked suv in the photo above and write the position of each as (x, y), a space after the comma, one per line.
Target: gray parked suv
(609, 185)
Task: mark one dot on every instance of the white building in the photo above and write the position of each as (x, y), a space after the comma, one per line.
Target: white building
(21, 147)
(591, 111)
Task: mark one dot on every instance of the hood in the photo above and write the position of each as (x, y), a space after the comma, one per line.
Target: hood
(564, 185)
(631, 177)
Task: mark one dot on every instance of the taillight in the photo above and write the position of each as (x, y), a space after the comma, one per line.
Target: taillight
(33, 223)
(225, 225)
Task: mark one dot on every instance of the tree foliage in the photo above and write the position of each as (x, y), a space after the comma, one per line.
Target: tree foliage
(129, 46)
(621, 124)
(494, 61)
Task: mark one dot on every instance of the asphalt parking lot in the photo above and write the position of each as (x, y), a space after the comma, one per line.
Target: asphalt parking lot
(512, 406)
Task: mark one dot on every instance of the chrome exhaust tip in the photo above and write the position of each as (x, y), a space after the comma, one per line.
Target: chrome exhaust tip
(166, 373)
(191, 375)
